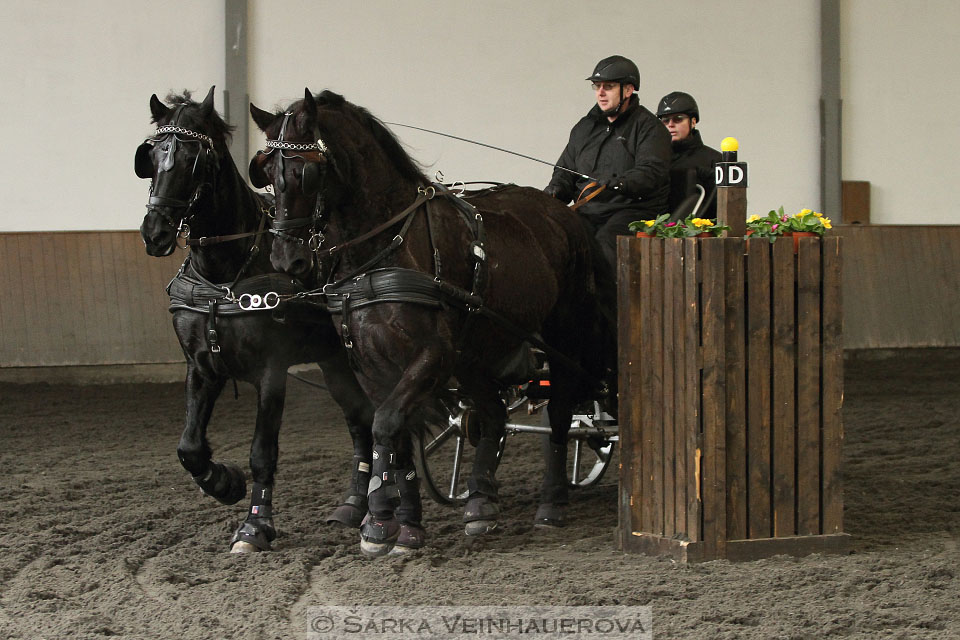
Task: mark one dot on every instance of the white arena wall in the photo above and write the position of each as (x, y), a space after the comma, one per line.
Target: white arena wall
(77, 78)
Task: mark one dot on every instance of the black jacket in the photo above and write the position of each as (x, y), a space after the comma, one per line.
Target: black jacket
(693, 164)
(635, 148)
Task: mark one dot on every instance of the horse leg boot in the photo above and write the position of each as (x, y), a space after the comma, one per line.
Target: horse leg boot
(225, 482)
(409, 513)
(380, 528)
(482, 509)
(554, 492)
(353, 507)
(257, 531)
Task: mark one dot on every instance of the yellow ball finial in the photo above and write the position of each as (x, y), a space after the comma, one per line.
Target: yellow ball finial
(729, 144)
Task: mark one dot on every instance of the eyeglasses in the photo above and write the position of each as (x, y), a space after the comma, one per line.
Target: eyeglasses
(606, 86)
(677, 119)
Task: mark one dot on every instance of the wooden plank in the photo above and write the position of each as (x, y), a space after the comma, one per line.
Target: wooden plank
(679, 400)
(650, 389)
(758, 388)
(46, 284)
(747, 550)
(655, 302)
(78, 252)
(735, 377)
(783, 351)
(672, 277)
(126, 336)
(112, 327)
(808, 386)
(713, 393)
(30, 299)
(13, 324)
(693, 425)
(630, 360)
(69, 297)
(832, 344)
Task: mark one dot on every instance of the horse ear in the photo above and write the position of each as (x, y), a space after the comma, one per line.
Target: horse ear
(206, 107)
(309, 104)
(257, 177)
(157, 108)
(263, 118)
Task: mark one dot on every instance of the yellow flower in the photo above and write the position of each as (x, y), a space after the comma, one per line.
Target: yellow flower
(819, 215)
(701, 222)
(649, 223)
(753, 218)
(804, 212)
(826, 223)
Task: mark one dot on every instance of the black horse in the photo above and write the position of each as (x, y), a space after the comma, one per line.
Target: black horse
(224, 300)
(427, 286)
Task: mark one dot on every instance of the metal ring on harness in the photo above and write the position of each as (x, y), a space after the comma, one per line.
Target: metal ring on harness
(183, 233)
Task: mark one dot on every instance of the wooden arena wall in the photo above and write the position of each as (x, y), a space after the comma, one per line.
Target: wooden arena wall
(84, 298)
(96, 298)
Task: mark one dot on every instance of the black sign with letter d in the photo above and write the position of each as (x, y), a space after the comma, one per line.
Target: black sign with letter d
(731, 174)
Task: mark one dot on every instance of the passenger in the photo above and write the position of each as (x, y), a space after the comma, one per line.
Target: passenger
(692, 160)
(625, 152)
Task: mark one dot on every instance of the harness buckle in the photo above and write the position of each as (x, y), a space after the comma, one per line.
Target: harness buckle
(212, 339)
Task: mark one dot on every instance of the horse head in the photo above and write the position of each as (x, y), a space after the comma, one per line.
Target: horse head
(326, 159)
(182, 160)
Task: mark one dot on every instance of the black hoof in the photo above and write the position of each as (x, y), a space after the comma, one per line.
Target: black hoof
(411, 538)
(251, 536)
(480, 515)
(551, 516)
(378, 537)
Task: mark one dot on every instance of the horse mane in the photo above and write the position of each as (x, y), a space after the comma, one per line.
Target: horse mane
(388, 142)
(215, 126)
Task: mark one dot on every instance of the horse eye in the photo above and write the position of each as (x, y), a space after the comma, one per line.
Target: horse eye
(165, 146)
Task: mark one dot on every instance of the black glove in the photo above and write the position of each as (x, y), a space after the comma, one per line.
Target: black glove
(608, 180)
(553, 190)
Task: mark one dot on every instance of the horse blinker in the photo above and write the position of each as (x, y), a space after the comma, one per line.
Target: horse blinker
(311, 179)
(257, 177)
(142, 162)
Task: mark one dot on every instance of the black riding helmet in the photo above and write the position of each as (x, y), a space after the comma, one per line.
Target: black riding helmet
(678, 102)
(616, 69)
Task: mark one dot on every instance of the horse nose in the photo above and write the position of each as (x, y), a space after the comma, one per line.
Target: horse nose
(299, 267)
(290, 263)
(157, 238)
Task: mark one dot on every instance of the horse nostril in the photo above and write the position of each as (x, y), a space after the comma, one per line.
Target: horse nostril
(299, 267)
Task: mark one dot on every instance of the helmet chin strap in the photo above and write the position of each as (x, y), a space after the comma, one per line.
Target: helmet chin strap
(612, 111)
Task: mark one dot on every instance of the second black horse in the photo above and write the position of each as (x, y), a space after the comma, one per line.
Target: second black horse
(426, 286)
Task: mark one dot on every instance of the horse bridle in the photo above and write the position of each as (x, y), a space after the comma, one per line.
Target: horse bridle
(205, 164)
(280, 228)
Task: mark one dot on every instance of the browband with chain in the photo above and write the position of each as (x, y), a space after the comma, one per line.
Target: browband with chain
(169, 128)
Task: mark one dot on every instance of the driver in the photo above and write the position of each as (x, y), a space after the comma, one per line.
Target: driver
(625, 151)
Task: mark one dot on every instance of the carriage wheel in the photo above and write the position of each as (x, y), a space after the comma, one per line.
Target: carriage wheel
(444, 457)
(588, 457)
(588, 461)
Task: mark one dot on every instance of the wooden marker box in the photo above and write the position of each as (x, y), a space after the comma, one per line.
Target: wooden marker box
(730, 386)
